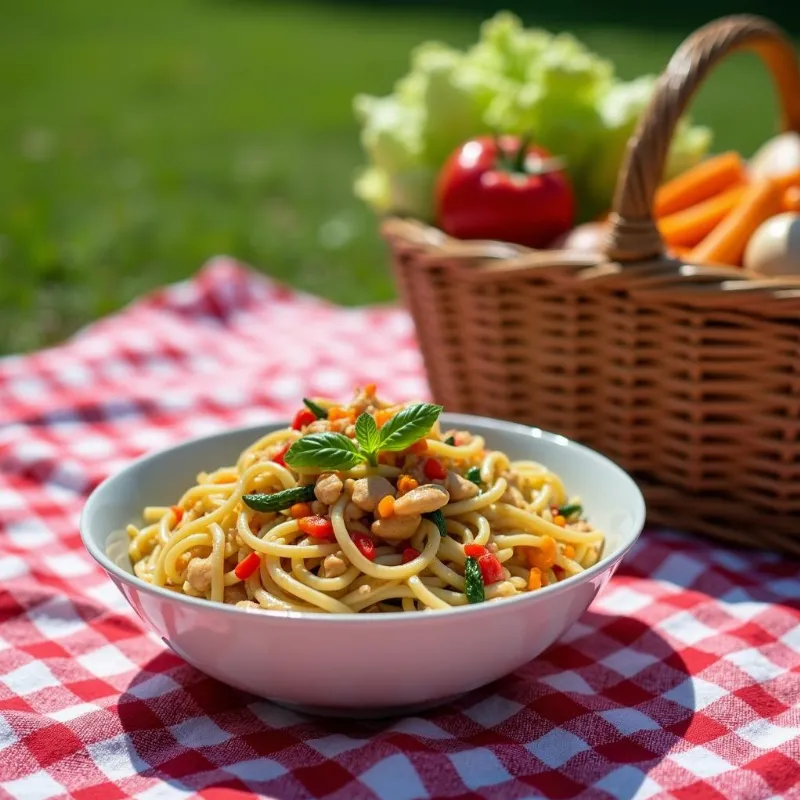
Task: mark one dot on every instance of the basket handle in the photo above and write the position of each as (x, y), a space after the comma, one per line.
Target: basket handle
(633, 235)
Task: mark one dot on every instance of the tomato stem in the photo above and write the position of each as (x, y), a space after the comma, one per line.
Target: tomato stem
(518, 164)
(517, 160)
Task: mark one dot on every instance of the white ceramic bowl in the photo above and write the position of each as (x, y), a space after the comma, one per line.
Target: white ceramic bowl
(364, 664)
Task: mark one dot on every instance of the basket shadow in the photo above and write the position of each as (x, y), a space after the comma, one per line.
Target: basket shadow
(612, 681)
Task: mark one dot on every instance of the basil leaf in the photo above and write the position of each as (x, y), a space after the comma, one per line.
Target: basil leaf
(317, 411)
(474, 474)
(367, 434)
(437, 518)
(279, 500)
(473, 581)
(408, 425)
(324, 450)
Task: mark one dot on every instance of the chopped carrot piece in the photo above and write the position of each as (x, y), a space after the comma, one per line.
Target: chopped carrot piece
(704, 180)
(405, 483)
(178, 512)
(559, 520)
(300, 510)
(386, 506)
(370, 389)
(534, 579)
(419, 447)
(569, 551)
(382, 417)
(337, 413)
(543, 557)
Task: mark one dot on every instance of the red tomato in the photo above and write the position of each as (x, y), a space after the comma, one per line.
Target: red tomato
(245, 568)
(434, 470)
(302, 418)
(364, 544)
(316, 526)
(513, 193)
(278, 457)
(409, 554)
(491, 568)
(475, 550)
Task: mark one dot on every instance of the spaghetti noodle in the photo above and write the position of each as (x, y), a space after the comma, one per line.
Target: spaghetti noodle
(344, 514)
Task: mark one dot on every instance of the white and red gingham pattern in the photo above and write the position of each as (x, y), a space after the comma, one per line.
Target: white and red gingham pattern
(682, 681)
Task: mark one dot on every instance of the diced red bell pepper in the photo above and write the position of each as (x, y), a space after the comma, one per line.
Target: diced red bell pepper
(278, 457)
(247, 566)
(364, 544)
(316, 526)
(434, 469)
(475, 550)
(409, 554)
(491, 568)
(302, 418)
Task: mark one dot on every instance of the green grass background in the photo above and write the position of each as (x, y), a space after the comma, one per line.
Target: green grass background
(138, 139)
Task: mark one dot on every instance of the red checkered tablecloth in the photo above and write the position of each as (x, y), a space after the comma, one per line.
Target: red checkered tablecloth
(683, 680)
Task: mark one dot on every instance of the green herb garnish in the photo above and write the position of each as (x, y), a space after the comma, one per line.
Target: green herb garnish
(335, 451)
(324, 450)
(474, 474)
(571, 508)
(279, 500)
(437, 518)
(368, 437)
(473, 581)
(318, 411)
(408, 425)
(451, 440)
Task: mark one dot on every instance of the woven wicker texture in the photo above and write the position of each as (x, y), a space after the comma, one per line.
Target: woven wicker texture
(688, 376)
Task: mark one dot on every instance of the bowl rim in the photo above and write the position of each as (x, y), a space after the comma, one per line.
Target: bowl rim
(260, 429)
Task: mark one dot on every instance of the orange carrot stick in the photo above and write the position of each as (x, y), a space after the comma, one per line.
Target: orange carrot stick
(682, 253)
(788, 180)
(709, 177)
(726, 243)
(791, 199)
(689, 227)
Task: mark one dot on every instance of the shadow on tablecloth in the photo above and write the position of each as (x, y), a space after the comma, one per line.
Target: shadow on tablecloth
(595, 713)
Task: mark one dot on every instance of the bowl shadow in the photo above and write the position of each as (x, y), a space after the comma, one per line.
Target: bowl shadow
(595, 713)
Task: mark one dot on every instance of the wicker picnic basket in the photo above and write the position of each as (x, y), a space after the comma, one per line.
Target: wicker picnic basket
(687, 376)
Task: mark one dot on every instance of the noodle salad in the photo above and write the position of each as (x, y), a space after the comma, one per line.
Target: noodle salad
(367, 507)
